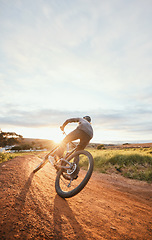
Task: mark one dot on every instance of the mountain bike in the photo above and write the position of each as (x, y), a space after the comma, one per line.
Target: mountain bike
(74, 169)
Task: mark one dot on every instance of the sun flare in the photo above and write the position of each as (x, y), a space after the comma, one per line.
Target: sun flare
(55, 135)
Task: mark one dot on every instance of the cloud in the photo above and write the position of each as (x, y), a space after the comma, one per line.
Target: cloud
(130, 120)
(50, 42)
(61, 59)
(41, 118)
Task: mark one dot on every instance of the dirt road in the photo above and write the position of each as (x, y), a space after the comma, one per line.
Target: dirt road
(109, 207)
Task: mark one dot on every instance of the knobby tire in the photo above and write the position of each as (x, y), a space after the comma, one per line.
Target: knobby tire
(77, 189)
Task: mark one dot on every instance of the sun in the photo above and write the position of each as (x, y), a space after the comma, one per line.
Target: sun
(48, 133)
(56, 135)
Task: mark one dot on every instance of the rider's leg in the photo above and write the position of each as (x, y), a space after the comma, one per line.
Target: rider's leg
(72, 136)
(84, 140)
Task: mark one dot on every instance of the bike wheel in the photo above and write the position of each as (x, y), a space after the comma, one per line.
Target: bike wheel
(40, 165)
(66, 186)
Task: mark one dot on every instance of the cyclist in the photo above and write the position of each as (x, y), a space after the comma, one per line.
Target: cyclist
(84, 132)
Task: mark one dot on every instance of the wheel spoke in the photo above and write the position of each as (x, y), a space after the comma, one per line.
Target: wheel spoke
(70, 182)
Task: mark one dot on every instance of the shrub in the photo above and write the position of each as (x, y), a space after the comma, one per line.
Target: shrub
(21, 147)
(5, 156)
(130, 159)
(130, 163)
(101, 146)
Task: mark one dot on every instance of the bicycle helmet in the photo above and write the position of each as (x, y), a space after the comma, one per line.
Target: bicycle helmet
(87, 118)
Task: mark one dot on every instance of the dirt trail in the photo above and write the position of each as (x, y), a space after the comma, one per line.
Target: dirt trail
(109, 207)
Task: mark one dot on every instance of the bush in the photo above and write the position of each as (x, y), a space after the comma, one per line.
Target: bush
(101, 146)
(16, 148)
(22, 147)
(132, 163)
(5, 157)
(130, 159)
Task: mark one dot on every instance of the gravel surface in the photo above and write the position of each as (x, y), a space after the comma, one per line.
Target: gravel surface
(109, 207)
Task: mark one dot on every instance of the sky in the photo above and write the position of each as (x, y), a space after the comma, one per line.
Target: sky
(62, 58)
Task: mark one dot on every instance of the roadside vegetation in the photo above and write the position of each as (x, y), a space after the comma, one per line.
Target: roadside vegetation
(11, 141)
(135, 163)
(5, 157)
(131, 163)
(8, 156)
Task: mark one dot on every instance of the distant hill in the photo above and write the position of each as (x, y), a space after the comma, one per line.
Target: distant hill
(38, 143)
(44, 143)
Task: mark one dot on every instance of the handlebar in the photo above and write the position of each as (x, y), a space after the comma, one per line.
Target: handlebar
(62, 129)
(63, 132)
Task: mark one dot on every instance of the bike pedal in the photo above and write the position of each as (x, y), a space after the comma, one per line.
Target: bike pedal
(75, 177)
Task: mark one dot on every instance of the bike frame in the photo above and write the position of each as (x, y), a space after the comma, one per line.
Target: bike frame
(68, 168)
(63, 159)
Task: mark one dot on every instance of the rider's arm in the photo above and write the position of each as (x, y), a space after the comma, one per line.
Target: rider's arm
(69, 121)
